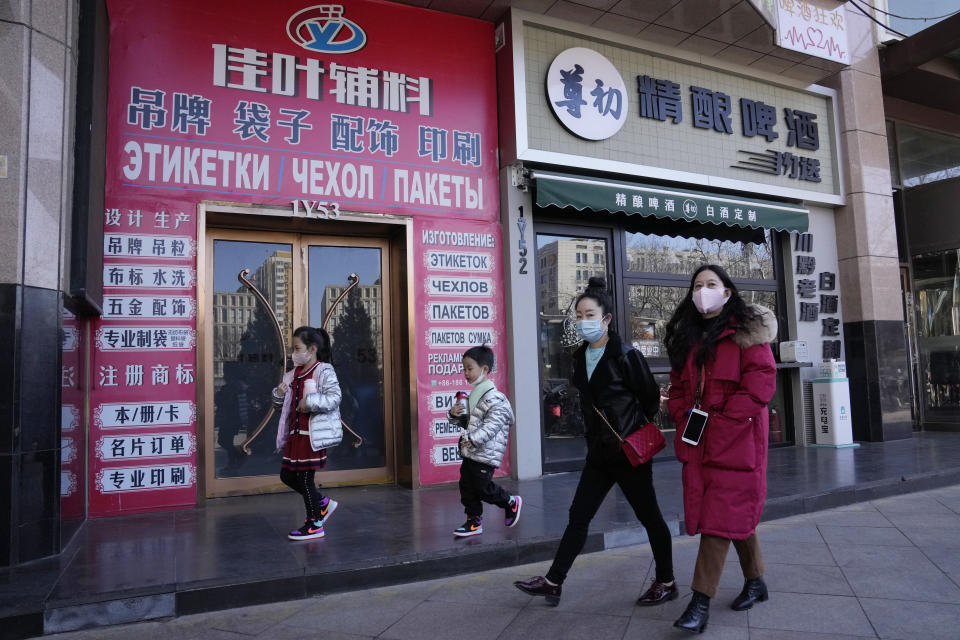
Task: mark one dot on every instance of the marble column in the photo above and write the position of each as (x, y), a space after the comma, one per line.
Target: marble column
(869, 265)
(38, 49)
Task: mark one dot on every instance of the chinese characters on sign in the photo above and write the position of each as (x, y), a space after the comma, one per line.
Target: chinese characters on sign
(124, 479)
(153, 445)
(575, 70)
(807, 289)
(802, 133)
(813, 29)
(587, 93)
(259, 119)
(142, 372)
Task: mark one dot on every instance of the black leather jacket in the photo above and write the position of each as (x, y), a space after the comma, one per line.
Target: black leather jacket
(621, 386)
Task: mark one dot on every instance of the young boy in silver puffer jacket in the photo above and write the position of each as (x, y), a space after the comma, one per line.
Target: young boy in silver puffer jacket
(486, 423)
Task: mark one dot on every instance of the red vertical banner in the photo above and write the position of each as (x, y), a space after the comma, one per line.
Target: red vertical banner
(143, 428)
(460, 306)
(72, 389)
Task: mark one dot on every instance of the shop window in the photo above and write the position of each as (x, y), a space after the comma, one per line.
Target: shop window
(925, 156)
(561, 282)
(938, 334)
(651, 307)
(647, 253)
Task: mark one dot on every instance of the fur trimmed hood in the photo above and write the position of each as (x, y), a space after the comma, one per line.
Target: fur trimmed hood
(761, 330)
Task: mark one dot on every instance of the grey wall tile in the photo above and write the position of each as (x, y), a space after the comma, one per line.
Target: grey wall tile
(50, 17)
(15, 11)
(44, 164)
(14, 51)
(66, 187)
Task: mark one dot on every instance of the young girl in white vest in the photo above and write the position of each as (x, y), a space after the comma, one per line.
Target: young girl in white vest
(309, 423)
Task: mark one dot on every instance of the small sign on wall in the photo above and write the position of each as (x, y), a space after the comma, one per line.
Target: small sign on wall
(814, 28)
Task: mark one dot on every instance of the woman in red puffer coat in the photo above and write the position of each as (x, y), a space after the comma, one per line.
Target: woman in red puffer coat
(722, 364)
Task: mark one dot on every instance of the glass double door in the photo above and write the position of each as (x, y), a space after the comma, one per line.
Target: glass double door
(259, 288)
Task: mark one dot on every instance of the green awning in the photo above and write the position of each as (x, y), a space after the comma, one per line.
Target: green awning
(561, 190)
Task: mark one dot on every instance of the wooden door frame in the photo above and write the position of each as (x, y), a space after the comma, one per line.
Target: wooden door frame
(253, 218)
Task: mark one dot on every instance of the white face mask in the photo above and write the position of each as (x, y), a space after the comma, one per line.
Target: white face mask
(480, 378)
(300, 358)
(708, 300)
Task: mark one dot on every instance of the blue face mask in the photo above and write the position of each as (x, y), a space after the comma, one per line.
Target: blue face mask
(591, 330)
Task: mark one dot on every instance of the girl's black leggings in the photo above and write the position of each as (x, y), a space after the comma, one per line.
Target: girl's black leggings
(303, 483)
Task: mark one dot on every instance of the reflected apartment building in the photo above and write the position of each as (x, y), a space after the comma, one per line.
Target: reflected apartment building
(234, 311)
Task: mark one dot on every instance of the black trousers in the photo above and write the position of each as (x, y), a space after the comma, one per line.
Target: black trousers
(597, 478)
(477, 486)
(303, 483)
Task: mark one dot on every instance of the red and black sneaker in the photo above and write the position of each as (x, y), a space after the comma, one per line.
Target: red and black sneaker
(472, 527)
(308, 531)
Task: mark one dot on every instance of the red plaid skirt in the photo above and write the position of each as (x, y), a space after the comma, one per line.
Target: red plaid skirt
(298, 455)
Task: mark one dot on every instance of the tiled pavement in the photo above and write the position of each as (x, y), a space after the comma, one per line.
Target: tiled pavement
(889, 568)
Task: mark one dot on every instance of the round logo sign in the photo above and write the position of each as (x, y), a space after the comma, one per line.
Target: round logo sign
(587, 93)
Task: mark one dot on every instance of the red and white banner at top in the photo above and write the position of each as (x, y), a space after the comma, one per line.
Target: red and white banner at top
(337, 103)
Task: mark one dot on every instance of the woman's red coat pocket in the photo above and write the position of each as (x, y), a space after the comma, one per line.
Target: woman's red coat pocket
(730, 444)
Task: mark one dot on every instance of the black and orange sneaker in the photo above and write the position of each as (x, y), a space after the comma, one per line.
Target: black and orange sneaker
(472, 527)
(311, 529)
(327, 507)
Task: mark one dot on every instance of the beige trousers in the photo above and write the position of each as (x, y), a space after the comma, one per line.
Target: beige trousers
(712, 556)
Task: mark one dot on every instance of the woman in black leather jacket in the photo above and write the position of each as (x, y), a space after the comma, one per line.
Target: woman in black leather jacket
(614, 378)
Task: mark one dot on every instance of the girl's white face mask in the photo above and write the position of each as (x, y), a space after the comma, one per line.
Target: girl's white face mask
(300, 358)
(708, 300)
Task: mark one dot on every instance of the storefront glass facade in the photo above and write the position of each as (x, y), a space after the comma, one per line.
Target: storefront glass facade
(926, 175)
(650, 275)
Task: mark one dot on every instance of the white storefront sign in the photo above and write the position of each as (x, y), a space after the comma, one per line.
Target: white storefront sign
(587, 94)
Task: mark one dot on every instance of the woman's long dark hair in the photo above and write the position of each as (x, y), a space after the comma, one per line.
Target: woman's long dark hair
(597, 291)
(315, 336)
(688, 327)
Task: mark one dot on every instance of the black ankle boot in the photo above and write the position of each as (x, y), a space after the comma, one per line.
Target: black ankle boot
(754, 590)
(694, 619)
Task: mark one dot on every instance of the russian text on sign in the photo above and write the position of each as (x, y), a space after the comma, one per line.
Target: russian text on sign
(458, 261)
(202, 166)
(469, 336)
(438, 189)
(340, 179)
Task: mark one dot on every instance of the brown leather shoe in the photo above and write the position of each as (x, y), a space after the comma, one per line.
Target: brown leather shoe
(537, 586)
(657, 594)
